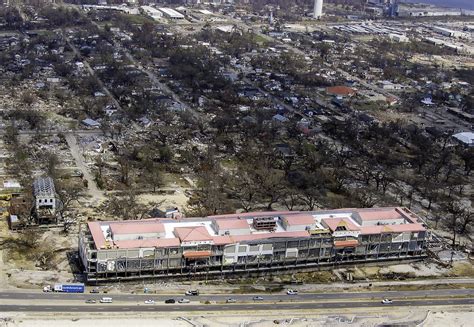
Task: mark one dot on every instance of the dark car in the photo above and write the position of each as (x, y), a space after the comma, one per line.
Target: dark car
(95, 290)
(169, 301)
(192, 293)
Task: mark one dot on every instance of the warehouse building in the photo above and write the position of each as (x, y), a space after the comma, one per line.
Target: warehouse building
(171, 13)
(152, 12)
(248, 243)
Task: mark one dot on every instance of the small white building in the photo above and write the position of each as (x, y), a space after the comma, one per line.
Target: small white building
(398, 37)
(465, 138)
(448, 32)
(231, 226)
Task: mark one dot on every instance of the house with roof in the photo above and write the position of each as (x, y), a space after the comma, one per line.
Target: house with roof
(91, 123)
(341, 91)
(465, 138)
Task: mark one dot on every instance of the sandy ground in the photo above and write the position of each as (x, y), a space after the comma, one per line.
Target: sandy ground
(442, 319)
(401, 316)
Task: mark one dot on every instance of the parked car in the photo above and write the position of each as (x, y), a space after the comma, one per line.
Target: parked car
(183, 301)
(387, 301)
(258, 298)
(150, 302)
(94, 291)
(231, 301)
(292, 292)
(192, 293)
(170, 301)
(91, 301)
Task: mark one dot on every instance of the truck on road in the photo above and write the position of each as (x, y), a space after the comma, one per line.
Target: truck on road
(65, 288)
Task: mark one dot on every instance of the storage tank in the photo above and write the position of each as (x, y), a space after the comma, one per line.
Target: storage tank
(318, 9)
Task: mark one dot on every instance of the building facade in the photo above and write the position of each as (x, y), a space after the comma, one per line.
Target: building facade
(248, 243)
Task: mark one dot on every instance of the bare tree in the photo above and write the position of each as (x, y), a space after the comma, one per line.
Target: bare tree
(456, 210)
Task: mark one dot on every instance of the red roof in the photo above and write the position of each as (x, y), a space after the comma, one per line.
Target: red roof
(378, 229)
(347, 243)
(380, 214)
(333, 223)
(341, 90)
(233, 223)
(138, 227)
(298, 219)
(190, 234)
(97, 234)
(222, 240)
(148, 243)
(197, 254)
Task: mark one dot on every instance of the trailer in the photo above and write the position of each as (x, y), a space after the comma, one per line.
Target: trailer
(65, 288)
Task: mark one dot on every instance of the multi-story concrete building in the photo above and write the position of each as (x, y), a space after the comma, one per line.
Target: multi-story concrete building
(248, 243)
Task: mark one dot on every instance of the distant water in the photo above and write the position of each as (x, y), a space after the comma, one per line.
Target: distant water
(464, 4)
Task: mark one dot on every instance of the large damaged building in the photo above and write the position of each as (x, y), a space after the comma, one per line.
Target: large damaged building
(248, 243)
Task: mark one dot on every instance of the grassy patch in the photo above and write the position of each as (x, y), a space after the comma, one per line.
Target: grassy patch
(315, 277)
(464, 269)
(137, 19)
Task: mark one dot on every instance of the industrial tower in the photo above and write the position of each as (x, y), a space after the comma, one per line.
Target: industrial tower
(318, 9)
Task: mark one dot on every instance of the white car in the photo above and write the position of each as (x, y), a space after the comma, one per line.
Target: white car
(183, 301)
(292, 292)
(150, 302)
(387, 301)
(231, 300)
(106, 300)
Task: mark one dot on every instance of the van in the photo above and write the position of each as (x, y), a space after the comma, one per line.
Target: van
(106, 300)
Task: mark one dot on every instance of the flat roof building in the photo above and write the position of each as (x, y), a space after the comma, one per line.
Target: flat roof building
(171, 13)
(248, 242)
(152, 12)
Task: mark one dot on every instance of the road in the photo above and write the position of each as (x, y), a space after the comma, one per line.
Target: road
(245, 297)
(82, 132)
(91, 71)
(96, 194)
(229, 307)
